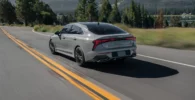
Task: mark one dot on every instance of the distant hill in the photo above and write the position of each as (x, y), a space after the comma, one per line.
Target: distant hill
(70, 5)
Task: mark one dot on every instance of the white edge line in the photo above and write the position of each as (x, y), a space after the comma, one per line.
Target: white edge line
(166, 60)
(40, 33)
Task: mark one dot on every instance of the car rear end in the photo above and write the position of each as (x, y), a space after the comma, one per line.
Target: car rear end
(111, 45)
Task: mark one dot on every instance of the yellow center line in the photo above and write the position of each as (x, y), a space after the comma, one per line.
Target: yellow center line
(82, 80)
(94, 96)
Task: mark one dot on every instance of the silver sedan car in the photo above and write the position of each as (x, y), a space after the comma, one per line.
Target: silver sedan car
(93, 42)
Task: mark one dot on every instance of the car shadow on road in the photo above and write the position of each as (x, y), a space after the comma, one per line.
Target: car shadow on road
(131, 68)
(134, 68)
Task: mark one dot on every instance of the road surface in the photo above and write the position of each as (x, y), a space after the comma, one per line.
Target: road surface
(156, 74)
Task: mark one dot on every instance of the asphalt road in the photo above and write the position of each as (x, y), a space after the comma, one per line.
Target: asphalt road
(156, 74)
(22, 77)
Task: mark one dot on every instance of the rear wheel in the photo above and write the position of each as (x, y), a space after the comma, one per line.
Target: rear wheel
(79, 56)
(52, 47)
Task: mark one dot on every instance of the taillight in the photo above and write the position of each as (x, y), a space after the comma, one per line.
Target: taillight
(100, 41)
(131, 38)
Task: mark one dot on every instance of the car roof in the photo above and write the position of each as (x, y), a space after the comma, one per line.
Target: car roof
(93, 23)
(86, 24)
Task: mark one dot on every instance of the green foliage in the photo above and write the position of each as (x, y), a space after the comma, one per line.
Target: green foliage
(115, 16)
(166, 23)
(105, 10)
(30, 11)
(25, 11)
(92, 11)
(44, 14)
(186, 24)
(80, 12)
(137, 16)
(7, 12)
(47, 28)
(124, 17)
(175, 21)
(62, 19)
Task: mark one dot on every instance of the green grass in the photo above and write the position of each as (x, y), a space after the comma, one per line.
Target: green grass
(47, 28)
(180, 38)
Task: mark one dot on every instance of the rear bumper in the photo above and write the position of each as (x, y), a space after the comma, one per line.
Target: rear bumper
(107, 55)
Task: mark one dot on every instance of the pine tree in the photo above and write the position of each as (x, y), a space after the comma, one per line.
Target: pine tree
(105, 10)
(150, 22)
(132, 14)
(124, 17)
(115, 16)
(138, 16)
(7, 12)
(25, 10)
(166, 23)
(80, 12)
(92, 12)
(144, 18)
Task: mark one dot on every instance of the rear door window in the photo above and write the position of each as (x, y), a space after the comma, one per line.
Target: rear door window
(104, 29)
(76, 30)
(66, 29)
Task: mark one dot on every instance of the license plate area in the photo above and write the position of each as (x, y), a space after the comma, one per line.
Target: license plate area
(121, 53)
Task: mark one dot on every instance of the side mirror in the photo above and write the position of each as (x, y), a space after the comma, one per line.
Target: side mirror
(57, 33)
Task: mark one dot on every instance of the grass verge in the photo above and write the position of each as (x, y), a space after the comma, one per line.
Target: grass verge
(179, 38)
(47, 28)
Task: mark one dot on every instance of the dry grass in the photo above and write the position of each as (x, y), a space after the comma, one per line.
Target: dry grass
(181, 38)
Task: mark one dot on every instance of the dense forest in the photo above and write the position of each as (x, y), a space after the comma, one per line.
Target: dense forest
(171, 6)
(31, 12)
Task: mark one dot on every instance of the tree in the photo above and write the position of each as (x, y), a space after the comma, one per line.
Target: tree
(7, 12)
(175, 21)
(160, 20)
(144, 18)
(44, 14)
(132, 14)
(25, 10)
(138, 16)
(124, 17)
(166, 23)
(80, 12)
(186, 24)
(92, 12)
(105, 10)
(62, 19)
(115, 16)
(150, 21)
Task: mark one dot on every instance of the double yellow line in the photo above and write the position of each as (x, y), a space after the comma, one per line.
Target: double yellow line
(87, 87)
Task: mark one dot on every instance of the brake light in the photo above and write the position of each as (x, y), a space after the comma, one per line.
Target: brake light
(131, 38)
(98, 42)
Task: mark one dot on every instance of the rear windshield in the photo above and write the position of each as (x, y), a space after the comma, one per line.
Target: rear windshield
(104, 29)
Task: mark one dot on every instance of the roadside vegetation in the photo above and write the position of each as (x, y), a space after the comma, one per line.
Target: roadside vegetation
(174, 37)
(47, 28)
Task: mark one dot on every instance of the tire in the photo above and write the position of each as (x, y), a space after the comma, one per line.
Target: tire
(79, 56)
(52, 47)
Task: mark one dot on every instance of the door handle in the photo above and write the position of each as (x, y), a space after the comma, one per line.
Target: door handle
(75, 39)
